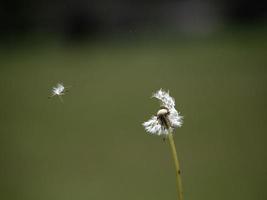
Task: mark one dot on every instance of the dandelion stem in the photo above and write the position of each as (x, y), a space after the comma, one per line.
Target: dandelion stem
(177, 166)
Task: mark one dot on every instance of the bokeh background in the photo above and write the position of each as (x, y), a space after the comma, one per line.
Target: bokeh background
(211, 55)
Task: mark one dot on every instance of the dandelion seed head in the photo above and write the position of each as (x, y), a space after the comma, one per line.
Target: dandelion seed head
(153, 126)
(165, 99)
(167, 117)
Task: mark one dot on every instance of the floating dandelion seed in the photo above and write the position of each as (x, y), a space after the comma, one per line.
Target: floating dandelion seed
(58, 90)
(163, 123)
(167, 118)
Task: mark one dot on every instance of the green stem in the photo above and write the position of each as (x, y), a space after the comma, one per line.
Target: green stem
(177, 166)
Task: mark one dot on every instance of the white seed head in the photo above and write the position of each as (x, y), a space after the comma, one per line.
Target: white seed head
(165, 99)
(155, 125)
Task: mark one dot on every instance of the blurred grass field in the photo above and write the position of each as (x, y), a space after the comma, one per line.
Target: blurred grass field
(93, 146)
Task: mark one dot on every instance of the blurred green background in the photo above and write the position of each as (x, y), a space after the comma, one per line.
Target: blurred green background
(93, 145)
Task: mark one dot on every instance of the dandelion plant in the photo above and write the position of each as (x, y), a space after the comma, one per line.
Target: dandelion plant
(164, 123)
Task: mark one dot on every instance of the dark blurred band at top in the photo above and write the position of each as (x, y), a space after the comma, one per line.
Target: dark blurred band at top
(78, 18)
